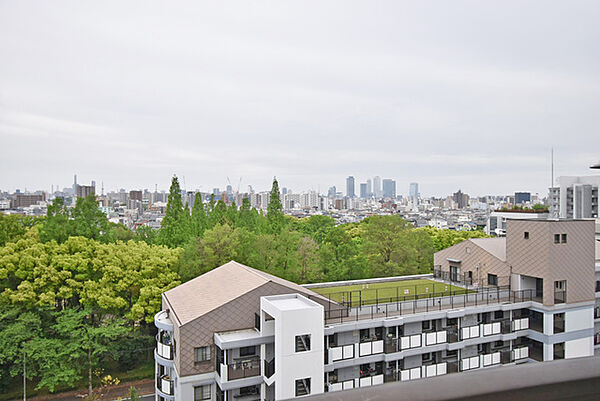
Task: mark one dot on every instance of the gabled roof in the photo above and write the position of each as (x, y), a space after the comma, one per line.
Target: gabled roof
(220, 286)
(494, 246)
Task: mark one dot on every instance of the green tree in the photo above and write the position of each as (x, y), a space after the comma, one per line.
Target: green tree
(275, 215)
(308, 257)
(57, 226)
(386, 245)
(14, 226)
(199, 217)
(88, 221)
(146, 234)
(176, 228)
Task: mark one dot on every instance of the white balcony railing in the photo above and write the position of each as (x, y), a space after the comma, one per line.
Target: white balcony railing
(520, 324)
(164, 351)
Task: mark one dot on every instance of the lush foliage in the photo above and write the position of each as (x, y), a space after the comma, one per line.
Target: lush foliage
(81, 302)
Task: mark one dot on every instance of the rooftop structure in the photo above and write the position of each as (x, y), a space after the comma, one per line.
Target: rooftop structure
(236, 333)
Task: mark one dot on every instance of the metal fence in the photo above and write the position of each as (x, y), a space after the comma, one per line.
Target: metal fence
(389, 307)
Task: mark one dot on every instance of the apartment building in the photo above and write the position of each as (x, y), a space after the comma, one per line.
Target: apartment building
(239, 334)
(575, 197)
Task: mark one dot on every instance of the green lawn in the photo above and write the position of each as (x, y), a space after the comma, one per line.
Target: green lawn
(404, 290)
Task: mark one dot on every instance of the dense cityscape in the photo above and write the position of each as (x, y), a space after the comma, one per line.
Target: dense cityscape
(458, 211)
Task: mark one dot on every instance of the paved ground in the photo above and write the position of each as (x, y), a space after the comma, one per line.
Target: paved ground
(114, 392)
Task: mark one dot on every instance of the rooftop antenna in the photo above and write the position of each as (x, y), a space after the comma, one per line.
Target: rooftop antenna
(552, 166)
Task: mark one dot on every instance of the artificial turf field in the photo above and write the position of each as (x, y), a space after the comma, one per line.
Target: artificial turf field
(368, 293)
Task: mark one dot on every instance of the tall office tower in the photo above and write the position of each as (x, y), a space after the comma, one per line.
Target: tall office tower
(413, 191)
(377, 186)
(331, 192)
(363, 190)
(75, 185)
(369, 188)
(575, 197)
(229, 190)
(389, 188)
(350, 187)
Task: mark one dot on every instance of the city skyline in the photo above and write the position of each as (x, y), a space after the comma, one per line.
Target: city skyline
(206, 94)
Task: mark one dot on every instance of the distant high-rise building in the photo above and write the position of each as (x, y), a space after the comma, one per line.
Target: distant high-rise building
(575, 197)
(377, 186)
(331, 192)
(522, 197)
(413, 191)
(389, 188)
(216, 191)
(135, 195)
(462, 200)
(85, 190)
(363, 190)
(229, 190)
(369, 187)
(350, 187)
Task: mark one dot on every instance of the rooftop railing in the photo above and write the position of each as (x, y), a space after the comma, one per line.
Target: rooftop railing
(412, 304)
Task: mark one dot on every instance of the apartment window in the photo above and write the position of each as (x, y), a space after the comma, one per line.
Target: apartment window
(557, 238)
(201, 354)
(247, 351)
(563, 238)
(526, 235)
(303, 343)
(202, 393)
(597, 285)
(492, 279)
(498, 314)
(302, 387)
(257, 321)
(426, 324)
(560, 285)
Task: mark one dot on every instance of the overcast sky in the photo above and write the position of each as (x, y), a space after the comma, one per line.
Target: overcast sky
(450, 94)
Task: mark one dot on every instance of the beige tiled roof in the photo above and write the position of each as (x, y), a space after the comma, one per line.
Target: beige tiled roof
(495, 246)
(218, 287)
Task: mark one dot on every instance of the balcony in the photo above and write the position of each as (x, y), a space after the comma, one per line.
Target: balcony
(390, 346)
(164, 384)
(340, 353)
(370, 348)
(243, 369)
(560, 297)
(164, 349)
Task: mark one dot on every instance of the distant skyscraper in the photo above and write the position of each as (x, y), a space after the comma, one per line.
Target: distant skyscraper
(331, 192)
(462, 200)
(414, 190)
(350, 187)
(377, 186)
(389, 188)
(363, 190)
(229, 190)
(369, 188)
